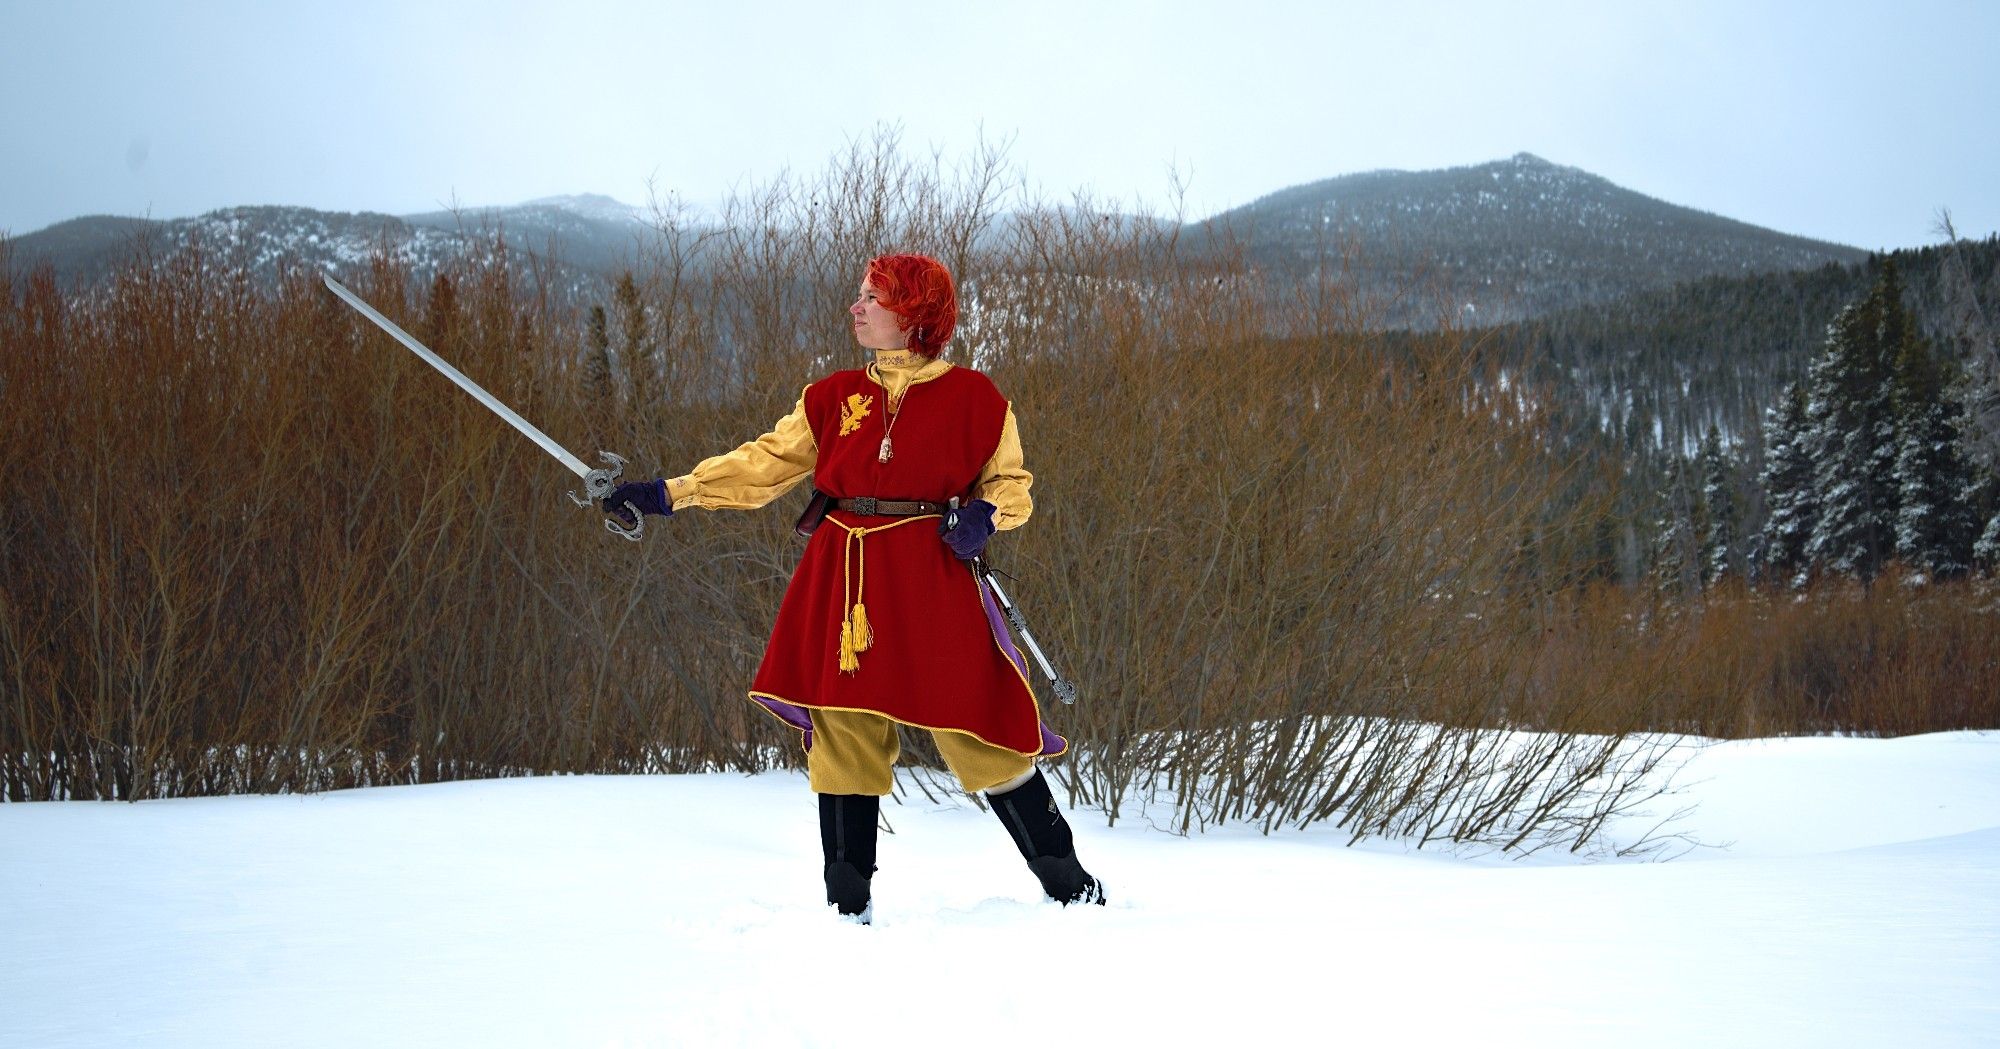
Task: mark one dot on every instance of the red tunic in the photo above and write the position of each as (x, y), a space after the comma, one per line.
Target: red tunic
(934, 653)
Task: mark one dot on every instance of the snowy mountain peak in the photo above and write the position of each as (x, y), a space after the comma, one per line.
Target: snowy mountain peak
(592, 206)
(1545, 173)
(1529, 160)
(1521, 236)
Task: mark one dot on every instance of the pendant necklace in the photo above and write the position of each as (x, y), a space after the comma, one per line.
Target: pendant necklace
(888, 449)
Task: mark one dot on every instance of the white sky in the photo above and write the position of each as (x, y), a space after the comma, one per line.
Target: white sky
(1849, 121)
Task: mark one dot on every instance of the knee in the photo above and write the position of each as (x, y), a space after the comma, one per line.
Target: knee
(1007, 785)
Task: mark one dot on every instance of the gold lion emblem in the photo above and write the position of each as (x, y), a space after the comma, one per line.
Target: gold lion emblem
(855, 410)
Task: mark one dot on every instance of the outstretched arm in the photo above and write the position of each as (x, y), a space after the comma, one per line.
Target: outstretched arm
(754, 473)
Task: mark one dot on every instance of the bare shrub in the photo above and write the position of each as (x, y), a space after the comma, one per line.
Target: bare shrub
(1301, 571)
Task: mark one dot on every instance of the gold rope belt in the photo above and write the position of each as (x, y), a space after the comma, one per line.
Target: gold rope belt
(855, 635)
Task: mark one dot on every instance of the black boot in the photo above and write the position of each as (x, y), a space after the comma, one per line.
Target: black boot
(1030, 815)
(847, 837)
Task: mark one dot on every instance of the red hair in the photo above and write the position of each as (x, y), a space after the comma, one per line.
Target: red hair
(919, 289)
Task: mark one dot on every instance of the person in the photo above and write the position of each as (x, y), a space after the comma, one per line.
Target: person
(883, 624)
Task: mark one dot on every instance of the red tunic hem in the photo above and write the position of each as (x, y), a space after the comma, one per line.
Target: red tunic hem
(754, 696)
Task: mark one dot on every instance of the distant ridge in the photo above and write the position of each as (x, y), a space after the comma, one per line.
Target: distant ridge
(1500, 241)
(589, 234)
(1475, 246)
(586, 231)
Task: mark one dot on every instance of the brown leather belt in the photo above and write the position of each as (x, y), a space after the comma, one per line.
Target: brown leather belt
(870, 507)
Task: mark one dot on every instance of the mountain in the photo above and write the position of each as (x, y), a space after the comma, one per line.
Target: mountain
(84, 249)
(1496, 242)
(1472, 246)
(257, 239)
(579, 239)
(1657, 368)
(588, 231)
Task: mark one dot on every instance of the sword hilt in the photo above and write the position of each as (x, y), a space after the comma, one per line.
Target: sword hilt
(598, 485)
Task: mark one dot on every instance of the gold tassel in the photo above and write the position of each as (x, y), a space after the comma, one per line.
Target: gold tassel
(863, 636)
(848, 663)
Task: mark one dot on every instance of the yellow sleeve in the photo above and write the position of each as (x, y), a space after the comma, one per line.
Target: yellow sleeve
(753, 474)
(1004, 481)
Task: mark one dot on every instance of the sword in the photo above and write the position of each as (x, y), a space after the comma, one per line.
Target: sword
(984, 572)
(597, 484)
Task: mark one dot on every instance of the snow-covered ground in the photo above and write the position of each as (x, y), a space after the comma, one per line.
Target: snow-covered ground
(1856, 903)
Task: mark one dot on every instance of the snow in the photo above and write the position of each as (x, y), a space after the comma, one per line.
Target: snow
(1847, 893)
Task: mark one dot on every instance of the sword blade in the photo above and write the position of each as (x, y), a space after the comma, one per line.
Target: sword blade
(527, 428)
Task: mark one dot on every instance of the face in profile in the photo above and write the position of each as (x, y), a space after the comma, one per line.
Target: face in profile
(875, 326)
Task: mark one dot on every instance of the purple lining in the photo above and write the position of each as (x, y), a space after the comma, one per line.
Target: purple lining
(795, 716)
(1052, 744)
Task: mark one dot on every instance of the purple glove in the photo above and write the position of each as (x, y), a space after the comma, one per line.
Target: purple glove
(650, 497)
(967, 536)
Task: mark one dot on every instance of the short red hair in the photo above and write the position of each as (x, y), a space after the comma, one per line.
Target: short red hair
(918, 289)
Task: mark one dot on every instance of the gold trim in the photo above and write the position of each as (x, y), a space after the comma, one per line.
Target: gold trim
(874, 375)
(897, 720)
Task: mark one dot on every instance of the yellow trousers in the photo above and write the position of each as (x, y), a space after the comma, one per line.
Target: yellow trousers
(855, 751)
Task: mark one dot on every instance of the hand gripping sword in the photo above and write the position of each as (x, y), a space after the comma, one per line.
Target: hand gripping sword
(597, 484)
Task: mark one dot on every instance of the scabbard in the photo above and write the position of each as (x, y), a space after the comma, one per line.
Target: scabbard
(814, 513)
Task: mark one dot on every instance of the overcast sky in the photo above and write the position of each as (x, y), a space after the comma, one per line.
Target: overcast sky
(1852, 122)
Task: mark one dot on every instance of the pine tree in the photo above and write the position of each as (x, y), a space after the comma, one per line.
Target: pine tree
(1935, 528)
(441, 314)
(1971, 330)
(1677, 560)
(1986, 552)
(1721, 548)
(1985, 506)
(1788, 491)
(597, 381)
(635, 347)
(1851, 436)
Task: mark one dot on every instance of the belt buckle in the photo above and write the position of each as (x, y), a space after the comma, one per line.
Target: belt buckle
(865, 506)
